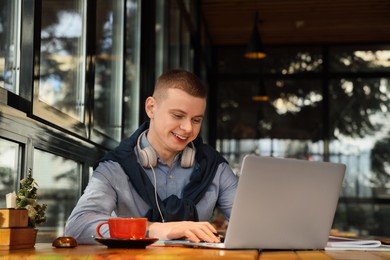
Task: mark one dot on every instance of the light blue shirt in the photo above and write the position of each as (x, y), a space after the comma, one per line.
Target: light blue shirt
(110, 193)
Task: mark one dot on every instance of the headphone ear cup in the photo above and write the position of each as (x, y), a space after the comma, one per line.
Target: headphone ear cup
(147, 157)
(188, 157)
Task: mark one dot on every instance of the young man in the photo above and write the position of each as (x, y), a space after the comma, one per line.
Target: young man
(163, 171)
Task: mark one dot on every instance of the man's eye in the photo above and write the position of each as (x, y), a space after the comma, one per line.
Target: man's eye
(196, 121)
(177, 116)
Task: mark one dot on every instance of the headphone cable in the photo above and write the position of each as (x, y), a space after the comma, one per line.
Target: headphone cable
(155, 193)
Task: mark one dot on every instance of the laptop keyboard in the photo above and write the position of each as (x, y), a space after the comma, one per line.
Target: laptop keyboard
(221, 238)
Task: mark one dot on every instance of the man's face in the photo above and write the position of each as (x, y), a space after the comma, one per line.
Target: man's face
(175, 120)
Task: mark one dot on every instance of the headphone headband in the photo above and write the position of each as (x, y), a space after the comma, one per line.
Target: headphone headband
(148, 157)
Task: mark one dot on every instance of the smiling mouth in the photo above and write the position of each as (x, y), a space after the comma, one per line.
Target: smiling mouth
(180, 137)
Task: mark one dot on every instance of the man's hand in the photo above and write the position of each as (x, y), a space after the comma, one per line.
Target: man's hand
(194, 231)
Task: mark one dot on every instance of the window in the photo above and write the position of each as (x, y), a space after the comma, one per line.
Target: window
(10, 167)
(80, 62)
(292, 101)
(59, 93)
(92, 91)
(59, 181)
(180, 47)
(360, 59)
(359, 96)
(186, 51)
(9, 45)
(161, 39)
(335, 111)
(107, 108)
(131, 96)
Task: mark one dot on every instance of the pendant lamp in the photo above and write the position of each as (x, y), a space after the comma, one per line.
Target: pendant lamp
(255, 49)
(262, 93)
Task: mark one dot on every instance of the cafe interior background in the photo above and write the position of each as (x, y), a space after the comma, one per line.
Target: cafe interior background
(74, 75)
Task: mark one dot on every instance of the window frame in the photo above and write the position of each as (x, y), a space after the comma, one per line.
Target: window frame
(43, 111)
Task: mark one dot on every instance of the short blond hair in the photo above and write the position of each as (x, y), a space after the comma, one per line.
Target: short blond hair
(180, 79)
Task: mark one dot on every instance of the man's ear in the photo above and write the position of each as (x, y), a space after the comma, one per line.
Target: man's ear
(150, 104)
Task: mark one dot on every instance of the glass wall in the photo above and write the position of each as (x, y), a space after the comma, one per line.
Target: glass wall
(89, 86)
(174, 48)
(325, 103)
(10, 166)
(161, 39)
(107, 108)
(59, 181)
(360, 119)
(79, 97)
(61, 87)
(10, 45)
(131, 90)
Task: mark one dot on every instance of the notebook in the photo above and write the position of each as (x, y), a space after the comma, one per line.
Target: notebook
(282, 204)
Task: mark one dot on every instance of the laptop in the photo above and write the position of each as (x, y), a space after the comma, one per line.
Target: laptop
(281, 204)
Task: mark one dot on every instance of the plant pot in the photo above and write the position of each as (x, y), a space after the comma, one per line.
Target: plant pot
(17, 238)
(10, 218)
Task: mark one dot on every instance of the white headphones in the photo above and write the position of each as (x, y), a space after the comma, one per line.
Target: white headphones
(148, 156)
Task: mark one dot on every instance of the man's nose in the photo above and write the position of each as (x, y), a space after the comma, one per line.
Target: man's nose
(186, 125)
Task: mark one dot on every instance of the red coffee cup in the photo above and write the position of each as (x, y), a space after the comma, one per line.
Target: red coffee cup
(128, 228)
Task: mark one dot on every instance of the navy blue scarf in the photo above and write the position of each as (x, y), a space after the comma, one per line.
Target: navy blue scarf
(172, 208)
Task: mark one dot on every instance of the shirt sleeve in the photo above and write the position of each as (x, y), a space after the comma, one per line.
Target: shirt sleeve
(94, 206)
(227, 188)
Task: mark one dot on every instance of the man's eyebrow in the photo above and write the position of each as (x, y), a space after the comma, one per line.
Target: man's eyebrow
(177, 110)
(183, 112)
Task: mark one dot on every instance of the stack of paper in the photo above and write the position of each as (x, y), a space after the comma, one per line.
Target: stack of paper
(343, 243)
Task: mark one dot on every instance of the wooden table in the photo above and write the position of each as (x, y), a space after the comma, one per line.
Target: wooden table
(323, 255)
(46, 251)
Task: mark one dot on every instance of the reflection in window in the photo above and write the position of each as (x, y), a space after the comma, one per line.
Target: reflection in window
(292, 61)
(367, 178)
(132, 57)
(59, 181)
(9, 168)
(359, 107)
(62, 56)
(161, 39)
(186, 54)
(362, 59)
(292, 102)
(174, 35)
(288, 60)
(9, 45)
(360, 121)
(336, 111)
(109, 68)
(285, 148)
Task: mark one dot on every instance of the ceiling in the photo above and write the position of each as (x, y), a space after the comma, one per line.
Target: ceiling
(230, 22)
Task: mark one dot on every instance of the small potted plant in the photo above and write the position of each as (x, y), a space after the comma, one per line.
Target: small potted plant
(27, 199)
